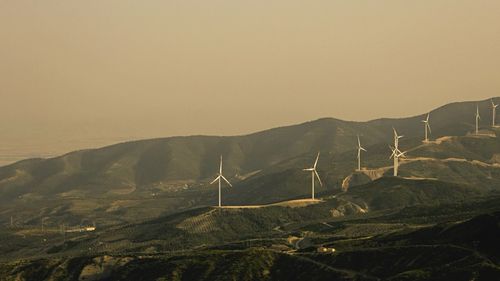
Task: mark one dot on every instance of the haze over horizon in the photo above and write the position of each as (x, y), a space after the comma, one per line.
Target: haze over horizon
(86, 74)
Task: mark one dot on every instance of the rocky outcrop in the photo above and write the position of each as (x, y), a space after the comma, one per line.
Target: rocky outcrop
(354, 179)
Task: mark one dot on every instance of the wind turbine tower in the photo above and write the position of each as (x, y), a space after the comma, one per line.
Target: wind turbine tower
(314, 175)
(494, 108)
(396, 153)
(360, 148)
(43, 223)
(478, 117)
(427, 127)
(219, 178)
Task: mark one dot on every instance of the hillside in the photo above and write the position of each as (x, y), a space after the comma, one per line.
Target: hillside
(463, 160)
(432, 242)
(209, 226)
(142, 180)
(172, 162)
(447, 251)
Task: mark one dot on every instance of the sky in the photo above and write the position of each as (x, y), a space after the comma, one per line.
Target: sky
(80, 74)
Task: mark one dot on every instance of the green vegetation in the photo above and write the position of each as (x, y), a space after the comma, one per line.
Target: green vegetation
(150, 202)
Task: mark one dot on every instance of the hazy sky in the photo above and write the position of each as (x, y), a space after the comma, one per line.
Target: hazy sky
(84, 73)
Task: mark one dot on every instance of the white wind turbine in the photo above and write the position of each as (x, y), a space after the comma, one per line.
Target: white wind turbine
(478, 117)
(427, 127)
(494, 108)
(219, 178)
(360, 148)
(396, 138)
(314, 174)
(396, 153)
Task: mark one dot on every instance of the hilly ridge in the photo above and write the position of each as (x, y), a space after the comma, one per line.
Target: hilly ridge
(145, 179)
(126, 167)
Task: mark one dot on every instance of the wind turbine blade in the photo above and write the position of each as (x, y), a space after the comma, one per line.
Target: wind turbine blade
(359, 142)
(364, 149)
(319, 179)
(220, 169)
(316, 162)
(429, 127)
(428, 116)
(226, 181)
(393, 152)
(216, 179)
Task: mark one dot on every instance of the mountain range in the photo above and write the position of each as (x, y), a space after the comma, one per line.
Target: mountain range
(265, 166)
(143, 209)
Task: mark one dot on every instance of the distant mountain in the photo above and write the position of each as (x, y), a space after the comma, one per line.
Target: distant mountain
(144, 179)
(128, 167)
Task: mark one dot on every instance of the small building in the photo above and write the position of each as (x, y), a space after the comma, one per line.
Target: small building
(80, 229)
(326, 250)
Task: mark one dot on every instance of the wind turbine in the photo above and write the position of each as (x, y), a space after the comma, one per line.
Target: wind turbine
(360, 148)
(396, 153)
(427, 127)
(219, 178)
(494, 107)
(396, 138)
(314, 175)
(478, 117)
